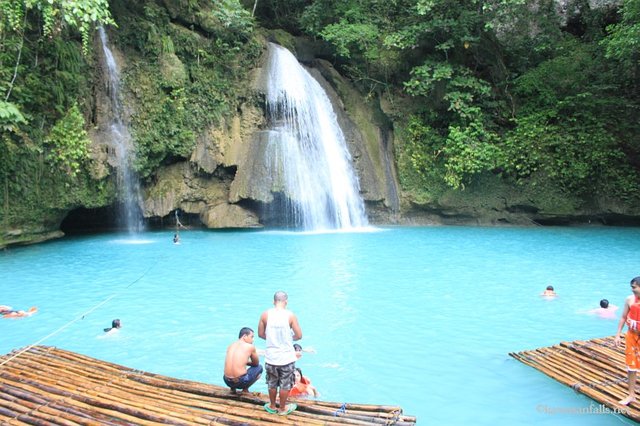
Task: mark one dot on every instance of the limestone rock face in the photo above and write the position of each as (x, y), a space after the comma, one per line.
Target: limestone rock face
(366, 138)
(179, 187)
(201, 186)
(253, 180)
(229, 216)
(225, 145)
(29, 235)
(369, 135)
(227, 172)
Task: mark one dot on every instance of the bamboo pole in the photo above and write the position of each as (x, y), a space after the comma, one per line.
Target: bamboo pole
(48, 380)
(47, 412)
(587, 367)
(368, 407)
(147, 404)
(68, 399)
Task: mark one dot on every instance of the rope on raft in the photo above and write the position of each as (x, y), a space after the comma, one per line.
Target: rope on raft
(341, 410)
(396, 416)
(595, 384)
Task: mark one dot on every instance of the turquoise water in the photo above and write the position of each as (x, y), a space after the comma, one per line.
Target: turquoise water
(419, 317)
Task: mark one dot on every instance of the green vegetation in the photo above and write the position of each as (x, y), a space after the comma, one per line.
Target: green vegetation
(480, 93)
(49, 78)
(181, 81)
(501, 87)
(44, 80)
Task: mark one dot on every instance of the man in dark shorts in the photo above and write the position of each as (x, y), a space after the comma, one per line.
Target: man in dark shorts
(280, 328)
(240, 355)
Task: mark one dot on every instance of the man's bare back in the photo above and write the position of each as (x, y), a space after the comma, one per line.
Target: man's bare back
(239, 355)
(242, 365)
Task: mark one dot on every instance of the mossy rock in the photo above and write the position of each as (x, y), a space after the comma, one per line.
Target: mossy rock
(173, 71)
(282, 38)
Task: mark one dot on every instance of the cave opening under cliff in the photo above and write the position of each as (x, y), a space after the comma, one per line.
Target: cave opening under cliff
(105, 219)
(85, 220)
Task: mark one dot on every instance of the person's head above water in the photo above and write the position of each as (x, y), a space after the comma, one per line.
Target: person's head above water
(297, 347)
(550, 287)
(604, 303)
(115, 324)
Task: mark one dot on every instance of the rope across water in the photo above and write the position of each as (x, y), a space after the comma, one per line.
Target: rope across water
(80, 317)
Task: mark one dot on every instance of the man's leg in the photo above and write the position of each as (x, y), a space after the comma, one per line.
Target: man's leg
(272, 384)
(272, 398)
(284, 394)
(254, 374)
(287, 380)
(632, 389)
(231, 385)
(632, 360)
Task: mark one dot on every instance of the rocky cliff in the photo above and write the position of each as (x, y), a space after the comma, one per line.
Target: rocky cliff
(225, 180)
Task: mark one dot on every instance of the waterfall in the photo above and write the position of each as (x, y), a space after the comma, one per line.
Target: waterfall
(129, 215)
(307, 151)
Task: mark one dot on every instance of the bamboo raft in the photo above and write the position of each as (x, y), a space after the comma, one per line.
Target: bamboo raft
(595, 368)
(50, 386)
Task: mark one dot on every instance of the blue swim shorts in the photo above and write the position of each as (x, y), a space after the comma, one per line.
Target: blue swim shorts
(246, 380)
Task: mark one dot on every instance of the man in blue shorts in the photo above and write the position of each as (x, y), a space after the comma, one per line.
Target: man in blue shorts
(240, 355)
(279, 326)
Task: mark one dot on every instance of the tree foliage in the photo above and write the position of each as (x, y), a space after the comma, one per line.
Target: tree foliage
(509, 89)
(68, 142)
(169, 113)
(55, 15)
(505, 87)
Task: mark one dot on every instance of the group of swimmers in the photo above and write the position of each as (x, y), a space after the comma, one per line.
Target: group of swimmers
(631, 318)
(606, 310)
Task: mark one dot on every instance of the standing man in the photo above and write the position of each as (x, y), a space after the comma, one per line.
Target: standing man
(280, 328)
(631, 317)
(240, 354)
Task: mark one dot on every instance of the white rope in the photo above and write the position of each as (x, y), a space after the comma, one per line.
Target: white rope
(78, 318)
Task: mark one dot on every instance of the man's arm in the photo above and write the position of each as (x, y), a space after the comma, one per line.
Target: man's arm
(293, 322)
(623, 318)
(254, 359)
(262, 325)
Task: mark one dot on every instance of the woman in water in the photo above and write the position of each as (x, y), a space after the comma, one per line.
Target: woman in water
(302, 386)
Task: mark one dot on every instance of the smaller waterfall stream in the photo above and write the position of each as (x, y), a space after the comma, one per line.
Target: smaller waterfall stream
(130, 215)
(307, 151)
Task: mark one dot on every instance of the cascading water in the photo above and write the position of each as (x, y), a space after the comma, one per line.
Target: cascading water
(307, 151)
(128, 186)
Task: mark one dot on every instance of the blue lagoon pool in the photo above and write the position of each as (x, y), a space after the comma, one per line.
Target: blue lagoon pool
(419, 317)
